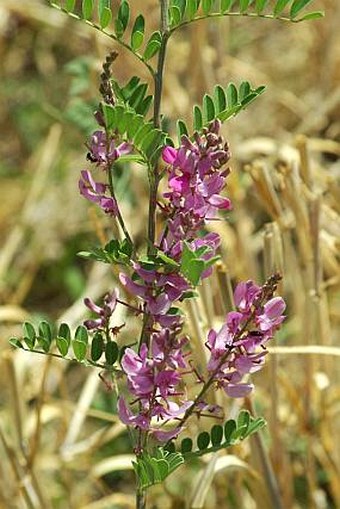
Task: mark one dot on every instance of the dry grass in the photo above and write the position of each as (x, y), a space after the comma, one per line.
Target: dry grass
(60, 444)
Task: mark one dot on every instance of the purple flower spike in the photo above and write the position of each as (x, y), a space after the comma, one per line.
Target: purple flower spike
(195, 182)
(238, 348)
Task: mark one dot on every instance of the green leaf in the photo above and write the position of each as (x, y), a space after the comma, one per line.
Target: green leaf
(198, 118)
(155, 469)
(243, 421)
(79, 349)
(15, 342)
(181, 5)
(181, 129)
(119, 29)
(45, 331)
(170, 447)
(134, 128)
(138, 95)
(62, 345)
(174, 461)
(128, 89)
(64, 332)
(124, 14)
(153, 45)
(232, 95)
(203, 440)
(260, 5)
(82, 334)
(191, 266)
(229, 428)
(208, 108)
(87, 8)
(111, 352)
(186, 445)
(29, 330)
(175, 15)
(144, 107)
(97, 347)
(226, 5)
(206, 6)
(279, 6)
(102, 5)
(297, 6)
(220, 98)
(255, 425)
(244, 4)
(29, 335)
(69, 5)
(63, 339)
(161, 256)
(105, 17)
(312, 15)
(216, 434)
(245, 90)
(137, 34)
(192, 7)
(137, 40)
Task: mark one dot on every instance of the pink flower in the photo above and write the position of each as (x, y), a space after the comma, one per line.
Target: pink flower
(245, 294)
(195, 182)
(96, 193)
(104, 151)
(105, 312)
(238, 348)
(272, 314)
(169, 155)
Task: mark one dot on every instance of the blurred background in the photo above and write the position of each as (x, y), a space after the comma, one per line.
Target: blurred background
(61, 445)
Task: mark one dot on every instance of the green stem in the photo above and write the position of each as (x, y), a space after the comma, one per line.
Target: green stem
(232, 14)
(140, 499)
(119, 215)
(154, 179)
(108, 34)
(89, 361)
(154, 176)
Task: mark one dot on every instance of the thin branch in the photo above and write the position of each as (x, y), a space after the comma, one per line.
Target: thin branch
(108, 34)
(232, 14)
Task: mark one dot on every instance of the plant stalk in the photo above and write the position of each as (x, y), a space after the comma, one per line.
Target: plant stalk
(154, 176)
(140, 499)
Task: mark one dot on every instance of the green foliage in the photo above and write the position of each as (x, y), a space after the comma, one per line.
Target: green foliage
(223, 104)
(155, 469)
(192, 265)
(146, 139)
(133, 94)
(46, 341)
(220, 437)
(115, 25)
(182, 12)
(115, 251)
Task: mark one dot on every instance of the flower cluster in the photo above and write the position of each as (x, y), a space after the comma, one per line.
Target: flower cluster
(195, 181)
(158, 290)
(153, 378)
(97, 192)
(104, 312)
(154, 373)
(103, 151)
(238, 348)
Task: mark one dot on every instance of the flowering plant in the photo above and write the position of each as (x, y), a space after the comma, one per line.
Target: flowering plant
(153, 372)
